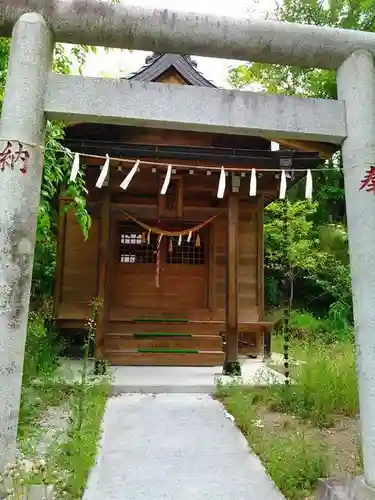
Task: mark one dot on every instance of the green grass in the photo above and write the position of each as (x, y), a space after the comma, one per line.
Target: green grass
(293, 459)
(297, 348)
(78, 454)
(75, 457)
(291, 445)
(35, 400)
(41, 362)
(42, 349)
(297, 352)
(85, 402)
(295, 462)
(325, 383)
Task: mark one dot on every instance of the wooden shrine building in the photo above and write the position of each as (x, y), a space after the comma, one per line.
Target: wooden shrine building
(179, 270)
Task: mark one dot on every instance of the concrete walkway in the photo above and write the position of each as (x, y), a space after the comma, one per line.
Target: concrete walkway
(177, 379)
(174, 447)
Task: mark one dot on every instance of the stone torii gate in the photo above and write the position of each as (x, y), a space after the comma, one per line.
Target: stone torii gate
(33, 94)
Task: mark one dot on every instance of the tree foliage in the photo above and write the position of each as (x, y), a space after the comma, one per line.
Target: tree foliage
(290, 242)
(315, 252)
(56, 171)
(288, 80)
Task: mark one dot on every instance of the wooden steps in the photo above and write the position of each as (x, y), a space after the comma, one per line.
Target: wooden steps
(193, 327)
(164, 342)
(120, 341)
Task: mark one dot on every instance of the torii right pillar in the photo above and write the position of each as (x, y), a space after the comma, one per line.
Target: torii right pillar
(356, 87)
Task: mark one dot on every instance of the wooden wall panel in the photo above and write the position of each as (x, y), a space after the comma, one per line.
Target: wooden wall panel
(79, 279)
(248, 265)
(220, 227)
(260, 251)
(247, 268)
(185, 287)
(135, 288)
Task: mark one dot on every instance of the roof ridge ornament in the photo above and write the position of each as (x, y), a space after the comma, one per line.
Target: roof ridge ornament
(156, 55)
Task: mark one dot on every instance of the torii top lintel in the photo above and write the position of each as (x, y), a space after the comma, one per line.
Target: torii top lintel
(121, 25)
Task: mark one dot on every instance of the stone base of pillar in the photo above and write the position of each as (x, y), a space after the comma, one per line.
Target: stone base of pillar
(352, 488)
(232, 368)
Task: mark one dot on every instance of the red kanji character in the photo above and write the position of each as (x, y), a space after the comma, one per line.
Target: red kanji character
(369, 180)
(21, 156)
(6, 157)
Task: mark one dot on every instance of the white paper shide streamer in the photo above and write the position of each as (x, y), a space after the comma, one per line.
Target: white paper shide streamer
(103, 174)
(309, 185)
(282, 185)
(125, 183)
(166, 181)
(180, 240)
(222, 181)
(253, 183)
(75, 168)
(221, 186)
(189, 237)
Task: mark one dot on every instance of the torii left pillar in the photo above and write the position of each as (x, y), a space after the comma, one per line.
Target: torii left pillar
(22, 130)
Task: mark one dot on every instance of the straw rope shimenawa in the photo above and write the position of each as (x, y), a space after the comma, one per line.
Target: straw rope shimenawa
(166, 232)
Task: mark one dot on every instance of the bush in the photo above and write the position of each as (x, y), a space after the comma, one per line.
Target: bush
(271, 291)
(42, 348)
(305, 325)
(336, 327)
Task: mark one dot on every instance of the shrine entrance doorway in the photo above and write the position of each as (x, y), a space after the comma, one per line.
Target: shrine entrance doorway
(147, 282)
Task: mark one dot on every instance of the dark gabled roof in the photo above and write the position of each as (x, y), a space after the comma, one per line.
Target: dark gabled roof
(157, 64)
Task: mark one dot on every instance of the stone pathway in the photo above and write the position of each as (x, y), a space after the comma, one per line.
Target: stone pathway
(174, 447)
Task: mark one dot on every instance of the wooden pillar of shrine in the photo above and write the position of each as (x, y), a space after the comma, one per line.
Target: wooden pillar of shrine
(103, 272)
(231, 363)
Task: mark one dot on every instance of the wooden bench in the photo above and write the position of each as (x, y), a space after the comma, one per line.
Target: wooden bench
(254, 338)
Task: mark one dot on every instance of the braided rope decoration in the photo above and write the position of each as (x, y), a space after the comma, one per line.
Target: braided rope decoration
(166, 232)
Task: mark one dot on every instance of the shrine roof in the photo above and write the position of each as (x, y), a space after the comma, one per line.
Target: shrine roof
(157, 64)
